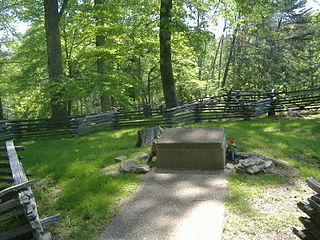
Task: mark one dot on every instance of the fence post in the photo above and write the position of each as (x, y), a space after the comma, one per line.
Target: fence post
(272, 110)
(17, 132)
(147, 110)
(248, 110)
(197, 112)
(115, 120)
(169, 118)
(74, 123)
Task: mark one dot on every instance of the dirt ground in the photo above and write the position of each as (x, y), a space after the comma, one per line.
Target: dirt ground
(276, 210)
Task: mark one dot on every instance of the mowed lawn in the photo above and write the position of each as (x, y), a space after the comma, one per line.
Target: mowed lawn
(263, 206)
(81, 183)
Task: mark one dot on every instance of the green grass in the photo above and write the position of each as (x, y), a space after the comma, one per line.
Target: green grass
(296, 143)
(76, 185)
(87, 197)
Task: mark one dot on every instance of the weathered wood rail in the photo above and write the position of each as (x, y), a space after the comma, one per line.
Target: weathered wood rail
(311, 207)
(19, 217)
(236, 104)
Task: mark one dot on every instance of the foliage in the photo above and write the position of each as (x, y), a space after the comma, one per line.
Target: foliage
(215, 45)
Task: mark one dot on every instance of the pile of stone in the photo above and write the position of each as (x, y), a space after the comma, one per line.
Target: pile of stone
(252, 162)
(311, 207)
(127, 165)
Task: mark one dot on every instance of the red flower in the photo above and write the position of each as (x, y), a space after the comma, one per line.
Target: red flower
(232, 141)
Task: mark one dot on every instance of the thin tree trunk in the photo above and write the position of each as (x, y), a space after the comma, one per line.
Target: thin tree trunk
(220, 57)
(1, 110)
(69, 107)
(225, 75)
(105, 98)
(168, 84)
(215, 59)
(149, 84)
(52, 20)
(217, 51)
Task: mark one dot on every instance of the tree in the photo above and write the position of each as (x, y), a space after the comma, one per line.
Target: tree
(168, 84)
(105, 98)
(56, 76)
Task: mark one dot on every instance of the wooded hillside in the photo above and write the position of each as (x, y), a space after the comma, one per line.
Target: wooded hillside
(80, 57)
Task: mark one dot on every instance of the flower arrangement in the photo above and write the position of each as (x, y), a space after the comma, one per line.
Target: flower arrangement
(231, 149)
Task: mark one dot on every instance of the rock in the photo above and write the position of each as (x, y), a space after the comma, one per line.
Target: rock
(240, 168)
(147, 135)
(268, 165)
(251, 161)
(120, 158)
(126, 166)
(144, 156)
(255, 169)
(230, 167)
(130, 166)
(140, 169)
(245, 155)
(45, 236)
(242, 155)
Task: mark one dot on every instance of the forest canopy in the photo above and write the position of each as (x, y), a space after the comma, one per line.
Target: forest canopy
(84, 56)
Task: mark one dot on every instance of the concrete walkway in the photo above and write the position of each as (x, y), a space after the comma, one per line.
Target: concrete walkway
(173, 205)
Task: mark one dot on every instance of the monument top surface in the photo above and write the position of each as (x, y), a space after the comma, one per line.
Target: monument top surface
(192, 135)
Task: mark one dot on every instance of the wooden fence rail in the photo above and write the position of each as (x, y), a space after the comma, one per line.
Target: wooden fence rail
(19, 215)
(235, 104)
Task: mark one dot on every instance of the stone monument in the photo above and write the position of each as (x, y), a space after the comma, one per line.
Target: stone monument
(192, 149)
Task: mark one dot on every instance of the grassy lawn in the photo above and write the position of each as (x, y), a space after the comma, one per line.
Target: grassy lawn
(263, 206)
(81, 185)
(80, 181)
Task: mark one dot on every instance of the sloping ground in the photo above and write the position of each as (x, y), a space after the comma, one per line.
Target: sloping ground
(83, 186)
(78, 182)
(263, 206)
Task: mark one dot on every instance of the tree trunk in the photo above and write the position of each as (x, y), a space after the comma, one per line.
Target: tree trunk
(213, 66)
(1, 110)
(220, 57)
(149, 93)
(52, 20)
(168, 84)
(225, 75)
(105, 98)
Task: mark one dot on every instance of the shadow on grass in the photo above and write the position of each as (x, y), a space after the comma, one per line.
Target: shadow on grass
(291, 140)
(85, 196)
(76, 187)
(77, 157)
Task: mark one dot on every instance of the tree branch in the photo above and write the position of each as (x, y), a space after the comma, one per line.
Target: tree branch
(63, 7)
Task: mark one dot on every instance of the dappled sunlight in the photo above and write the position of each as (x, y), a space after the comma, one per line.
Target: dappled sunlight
(85, 195)
(184, 204)
(194, 224)
(271, 129)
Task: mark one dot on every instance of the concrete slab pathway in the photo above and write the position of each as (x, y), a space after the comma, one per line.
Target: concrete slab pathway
(173, 205)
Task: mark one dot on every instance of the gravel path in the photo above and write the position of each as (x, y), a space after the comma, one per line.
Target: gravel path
(173, 205)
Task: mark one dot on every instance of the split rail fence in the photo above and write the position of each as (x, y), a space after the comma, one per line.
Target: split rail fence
(237, 104)
(19, 217)
(311, 207)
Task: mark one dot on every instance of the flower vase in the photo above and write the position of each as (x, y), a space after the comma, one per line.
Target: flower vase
(232, 156)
